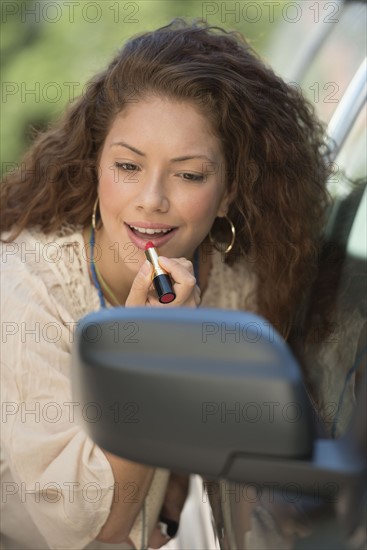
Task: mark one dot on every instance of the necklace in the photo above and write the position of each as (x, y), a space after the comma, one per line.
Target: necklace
(98, 280)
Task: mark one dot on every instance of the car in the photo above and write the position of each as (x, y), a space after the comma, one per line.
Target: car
(200, 408)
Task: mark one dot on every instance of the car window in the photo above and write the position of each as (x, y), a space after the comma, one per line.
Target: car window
(329, 45)
(328, 76)
(352, 157)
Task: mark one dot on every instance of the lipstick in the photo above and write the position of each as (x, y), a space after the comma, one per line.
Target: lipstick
(161, 279)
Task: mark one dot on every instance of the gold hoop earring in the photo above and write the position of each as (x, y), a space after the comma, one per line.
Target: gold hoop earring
(230, 246)
(94, 214)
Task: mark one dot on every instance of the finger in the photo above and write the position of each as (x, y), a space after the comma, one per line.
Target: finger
(186, 263)
(140, 287)
(156, 539)
(180, 269)
(197, 295)
(184, 281)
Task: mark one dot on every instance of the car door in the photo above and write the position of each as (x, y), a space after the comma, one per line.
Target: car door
(331, 347)
(330, 344)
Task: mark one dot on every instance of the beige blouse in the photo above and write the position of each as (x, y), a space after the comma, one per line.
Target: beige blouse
(57, 485)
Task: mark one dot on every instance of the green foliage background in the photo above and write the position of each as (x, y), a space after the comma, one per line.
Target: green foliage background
(49, 49)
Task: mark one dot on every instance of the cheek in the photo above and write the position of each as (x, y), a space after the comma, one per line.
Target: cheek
(110, 194)
(202, 207)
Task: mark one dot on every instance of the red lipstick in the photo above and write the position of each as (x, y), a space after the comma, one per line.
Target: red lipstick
(161, 279)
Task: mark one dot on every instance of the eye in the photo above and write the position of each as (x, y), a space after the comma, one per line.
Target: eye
(127, 166)
(192, 177)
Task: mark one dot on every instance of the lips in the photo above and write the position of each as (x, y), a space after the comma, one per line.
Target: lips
(140, 239)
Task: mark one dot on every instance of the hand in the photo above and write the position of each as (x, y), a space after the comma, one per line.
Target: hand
(174, 500)
(181, 271)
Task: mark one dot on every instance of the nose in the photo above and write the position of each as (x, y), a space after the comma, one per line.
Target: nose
(152, 196)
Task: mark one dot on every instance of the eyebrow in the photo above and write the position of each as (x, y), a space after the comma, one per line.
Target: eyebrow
(176, 159)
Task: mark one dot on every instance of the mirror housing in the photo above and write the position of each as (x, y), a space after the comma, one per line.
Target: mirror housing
(190, 390)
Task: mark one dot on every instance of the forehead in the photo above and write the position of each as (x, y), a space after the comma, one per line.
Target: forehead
(161, 117)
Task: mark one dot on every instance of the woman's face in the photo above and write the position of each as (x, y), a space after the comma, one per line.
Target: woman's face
(161, 180)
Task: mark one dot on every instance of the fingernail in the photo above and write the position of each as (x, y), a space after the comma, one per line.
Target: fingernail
(146, 267)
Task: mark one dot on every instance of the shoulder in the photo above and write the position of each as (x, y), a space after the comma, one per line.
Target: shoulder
(39, 266)
(33, 247)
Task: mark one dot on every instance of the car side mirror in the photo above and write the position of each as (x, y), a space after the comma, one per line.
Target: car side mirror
(204, 391)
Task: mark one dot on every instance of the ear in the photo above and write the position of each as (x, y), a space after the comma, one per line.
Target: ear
(225, 203)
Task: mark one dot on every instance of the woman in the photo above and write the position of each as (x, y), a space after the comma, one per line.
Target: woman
(187, 140)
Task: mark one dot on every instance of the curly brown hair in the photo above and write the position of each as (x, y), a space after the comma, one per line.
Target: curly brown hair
(276, 163)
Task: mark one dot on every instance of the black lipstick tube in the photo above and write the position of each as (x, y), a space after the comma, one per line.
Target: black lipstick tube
(161, 280)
